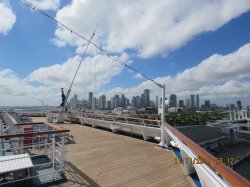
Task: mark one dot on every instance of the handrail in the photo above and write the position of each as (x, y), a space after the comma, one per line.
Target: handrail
(118, 116)
(227, 173)
(33, 133)
(56, 129)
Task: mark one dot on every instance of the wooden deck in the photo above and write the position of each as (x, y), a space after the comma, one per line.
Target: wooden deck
(101, 158)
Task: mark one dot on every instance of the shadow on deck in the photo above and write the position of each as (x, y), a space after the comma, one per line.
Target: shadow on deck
(76, 177)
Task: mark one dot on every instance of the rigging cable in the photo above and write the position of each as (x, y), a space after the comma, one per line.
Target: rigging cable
(25, 2)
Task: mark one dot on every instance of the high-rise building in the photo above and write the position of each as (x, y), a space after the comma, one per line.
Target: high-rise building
(239, 106)
(192, 101)
(173, 100)
(133, 102)
(138, 103)
(197, 101)
(248, 108)
(123, 101)
(94, 103)
(90, 98)
(156, 102)
(102, 102)
(109, 105)
(73, 102)
(187, 103)
(207, 104)
(181, 103)
(126, 102)
(146, 95)
(116, 101)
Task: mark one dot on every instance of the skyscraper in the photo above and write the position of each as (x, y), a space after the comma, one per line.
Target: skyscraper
(239, 106)
(123, 101)
(138, 103)
(181, 103)
(90, 98)
(116, 101)
(156, 102)
(94, 102)
(197, 101)
(102, 102)
(187, 103)
(207, 104)
(173, 100)
(109, 105)
(192, 101)
(146, 99)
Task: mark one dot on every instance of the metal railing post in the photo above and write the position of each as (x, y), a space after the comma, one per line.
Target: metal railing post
(53, 155)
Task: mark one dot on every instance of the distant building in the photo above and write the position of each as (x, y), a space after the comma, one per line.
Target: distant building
(248, 108)
(156, 102)
(181, 103)
(146, 95)
(116, 101)
(231, 106)
(173, 100)
(102, 102)
(94, 103)
(109, 105)
(192, 101)
(239, 106)
(133, 102)
(138, 103)
(73, 102)
(187, 103)
(126, 102)
(197, 101)
(90, 98)
(207, 104)
(123, 101)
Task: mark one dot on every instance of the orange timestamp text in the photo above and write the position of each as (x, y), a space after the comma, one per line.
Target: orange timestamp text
(204, 160)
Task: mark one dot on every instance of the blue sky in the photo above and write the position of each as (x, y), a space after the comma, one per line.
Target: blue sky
(169, 47)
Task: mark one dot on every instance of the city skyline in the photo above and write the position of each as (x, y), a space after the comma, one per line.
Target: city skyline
(103, 103)
(190, 55)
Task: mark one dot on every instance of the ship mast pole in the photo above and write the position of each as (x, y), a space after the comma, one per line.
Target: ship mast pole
(60, 116)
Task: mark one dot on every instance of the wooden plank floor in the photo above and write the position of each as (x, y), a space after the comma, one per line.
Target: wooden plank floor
(101, 158)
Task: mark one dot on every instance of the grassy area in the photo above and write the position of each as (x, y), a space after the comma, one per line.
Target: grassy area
(193, 118)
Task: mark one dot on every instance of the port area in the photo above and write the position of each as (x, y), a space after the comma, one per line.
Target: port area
(102, 158)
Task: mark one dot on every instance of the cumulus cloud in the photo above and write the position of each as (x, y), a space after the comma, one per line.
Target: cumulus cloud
(221, 78)
(218, 77)
(148, 27)
(94, 72)
(7, 17)
(45, 4)
(15, 91)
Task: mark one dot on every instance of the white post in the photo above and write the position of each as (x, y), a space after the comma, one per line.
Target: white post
(53, 155)
(163, 141)
(62, 151)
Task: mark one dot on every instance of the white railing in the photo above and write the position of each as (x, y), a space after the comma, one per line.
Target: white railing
(210, 174)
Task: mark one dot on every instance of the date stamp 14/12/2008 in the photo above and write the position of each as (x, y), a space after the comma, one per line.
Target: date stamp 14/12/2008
(204, 160)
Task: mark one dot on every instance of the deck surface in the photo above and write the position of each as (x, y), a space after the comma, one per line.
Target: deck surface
(101, 158)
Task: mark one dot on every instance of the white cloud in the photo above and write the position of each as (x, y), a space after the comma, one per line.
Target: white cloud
(149, 27)
(138, 76)
(94, 72)
(7, 17)
(45, 4)
(221, 78)
(15, 91)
